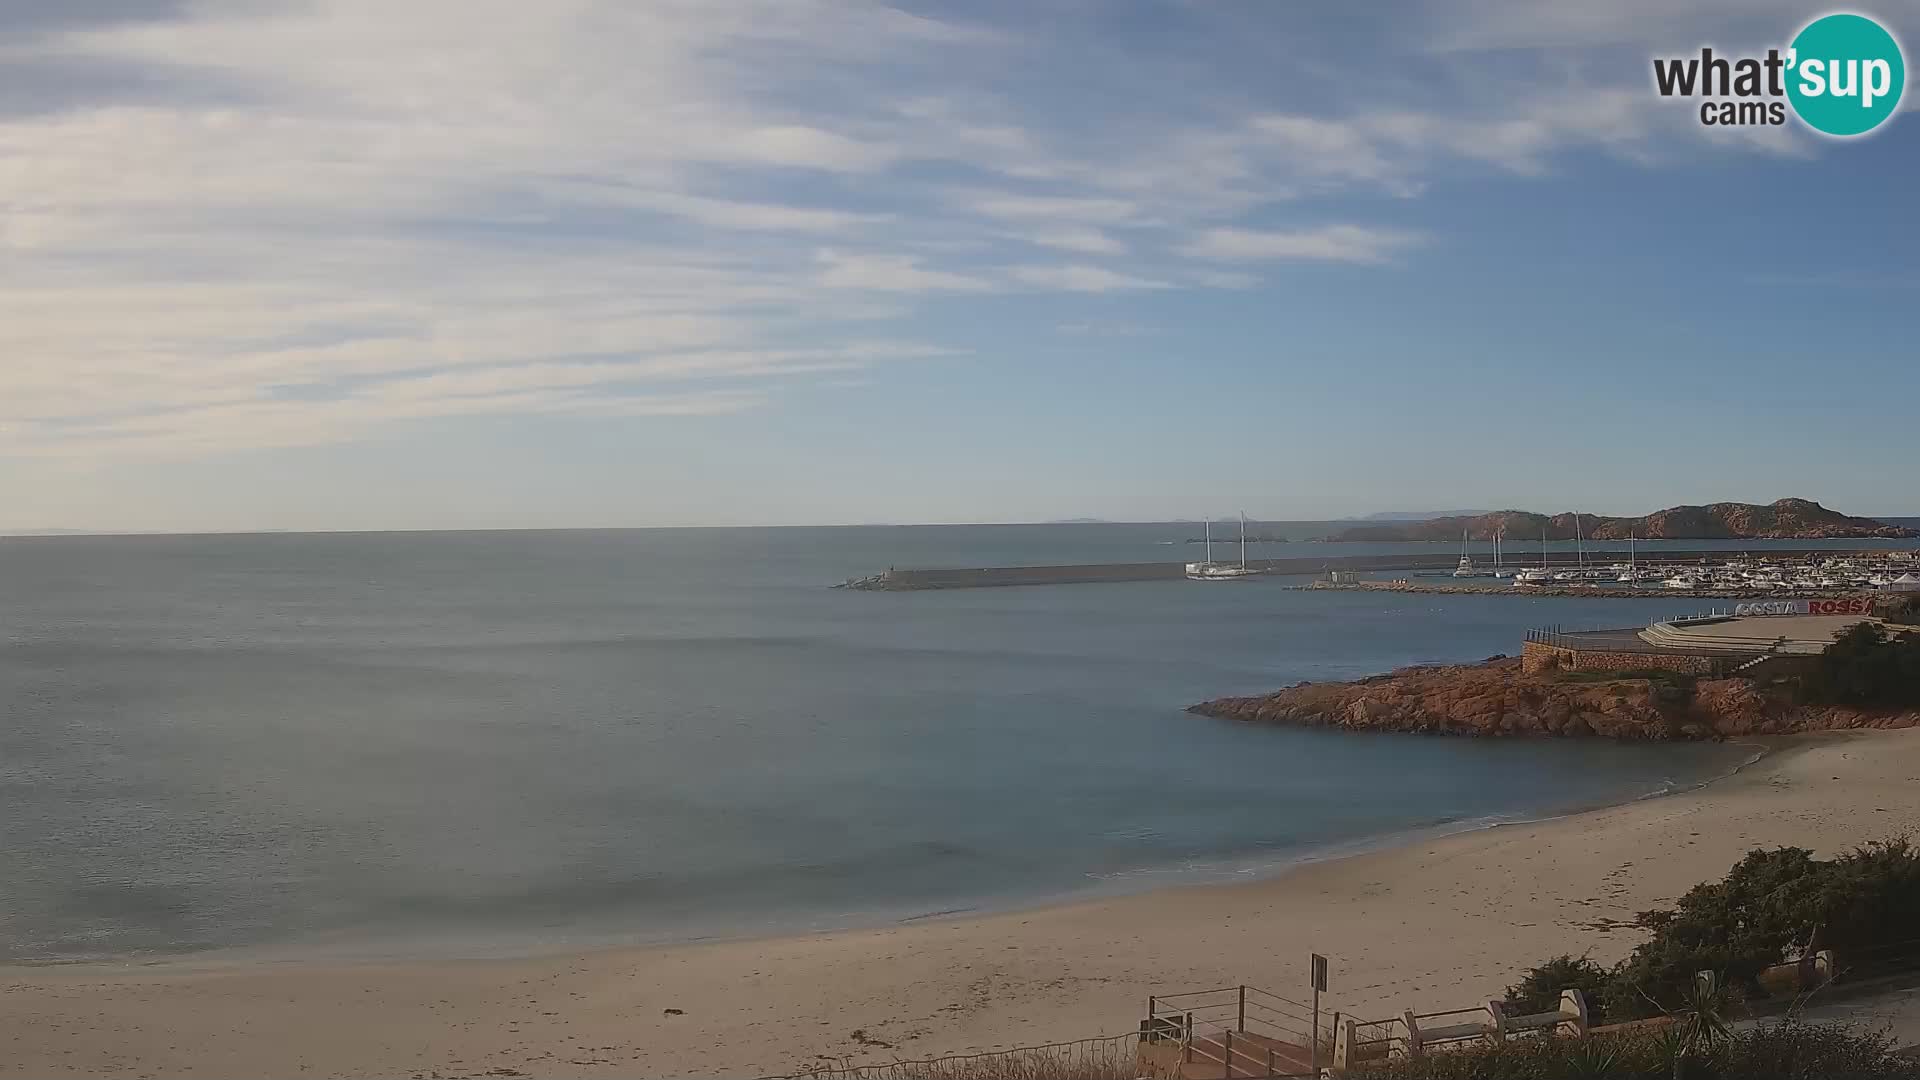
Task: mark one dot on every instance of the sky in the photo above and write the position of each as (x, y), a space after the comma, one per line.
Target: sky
(345, 264)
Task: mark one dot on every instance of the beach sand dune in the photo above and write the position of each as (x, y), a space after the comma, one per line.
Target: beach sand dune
(1441, 923)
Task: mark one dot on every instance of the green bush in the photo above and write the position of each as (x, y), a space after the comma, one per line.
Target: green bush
(1771, 907)
(1902, 609)
(1864, 666)
(1788, 1051)
(1539, 990)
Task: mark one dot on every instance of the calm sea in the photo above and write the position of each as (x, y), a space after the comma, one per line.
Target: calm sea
(489, 742)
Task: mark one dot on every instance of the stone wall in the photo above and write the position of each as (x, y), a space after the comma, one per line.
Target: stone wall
(1536, 657)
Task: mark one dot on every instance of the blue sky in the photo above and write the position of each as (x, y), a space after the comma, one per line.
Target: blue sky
(341, 264)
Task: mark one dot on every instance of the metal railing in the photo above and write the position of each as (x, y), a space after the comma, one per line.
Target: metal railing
(1245, 1030)
(1239, 1004)
(1360, 1041)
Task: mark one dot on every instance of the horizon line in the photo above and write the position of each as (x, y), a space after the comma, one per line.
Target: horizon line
(58, 534)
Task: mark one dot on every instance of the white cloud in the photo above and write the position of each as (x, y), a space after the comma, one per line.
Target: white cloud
(448, 207)
(1330, 149)
(1093, 329)
(892, 273)
(1449, 26)
(1223, 279)
(1013, 207)
(1325, 243)
(807, 147)
(1084, 240)
(227, 426)
(718, 213)
(1081, 278)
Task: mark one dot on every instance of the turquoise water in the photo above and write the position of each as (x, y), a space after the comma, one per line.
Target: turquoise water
(482, 742)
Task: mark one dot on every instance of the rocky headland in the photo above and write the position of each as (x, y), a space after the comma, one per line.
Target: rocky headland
(1786, 519)
(1496, 698)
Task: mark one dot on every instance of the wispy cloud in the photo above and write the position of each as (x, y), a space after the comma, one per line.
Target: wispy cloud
(1081, 278)
(1052, 208)
(892, 273)
(233, 226)
(716, 213)
(1325, 243)
(1087, 241)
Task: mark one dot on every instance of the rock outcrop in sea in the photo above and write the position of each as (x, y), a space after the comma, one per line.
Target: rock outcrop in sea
(1496, 698)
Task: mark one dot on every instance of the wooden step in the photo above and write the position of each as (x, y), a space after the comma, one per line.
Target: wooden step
(1249, 1057)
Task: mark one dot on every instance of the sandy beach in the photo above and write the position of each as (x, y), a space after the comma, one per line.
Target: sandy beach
(1435, 924)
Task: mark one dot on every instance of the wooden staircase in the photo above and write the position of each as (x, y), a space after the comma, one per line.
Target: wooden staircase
(1232, 1033)
(1232, 1054)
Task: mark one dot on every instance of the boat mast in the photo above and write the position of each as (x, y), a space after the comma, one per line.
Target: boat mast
(1579, 548)
(1209, 526)
(1243, 539)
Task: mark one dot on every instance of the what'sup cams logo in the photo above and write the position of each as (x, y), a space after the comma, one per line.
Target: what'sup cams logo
(1842, 75)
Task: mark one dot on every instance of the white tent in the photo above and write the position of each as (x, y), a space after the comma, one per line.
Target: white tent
(1904, 583)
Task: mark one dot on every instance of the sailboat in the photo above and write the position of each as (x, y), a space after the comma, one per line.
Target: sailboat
(1466, 568)
(1579, 572)
(1499, 571)
(1212, 571)
(1540, 576)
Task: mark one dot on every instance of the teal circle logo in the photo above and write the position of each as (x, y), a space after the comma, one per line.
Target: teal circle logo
(1845, 74)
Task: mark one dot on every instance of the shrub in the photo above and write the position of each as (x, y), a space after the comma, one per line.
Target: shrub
(1771, 907)
(1788, 1051)
(1539, 989)
(1864, 666)
(1901, 609)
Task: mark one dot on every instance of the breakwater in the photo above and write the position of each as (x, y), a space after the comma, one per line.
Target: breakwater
(981, 577)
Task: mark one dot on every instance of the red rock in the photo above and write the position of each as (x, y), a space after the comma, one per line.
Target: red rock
(1497, 698)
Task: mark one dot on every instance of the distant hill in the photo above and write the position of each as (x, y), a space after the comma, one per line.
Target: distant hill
(1418, 515)
(1788, 519)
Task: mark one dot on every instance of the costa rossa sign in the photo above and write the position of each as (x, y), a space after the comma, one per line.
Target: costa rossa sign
(1853, 605)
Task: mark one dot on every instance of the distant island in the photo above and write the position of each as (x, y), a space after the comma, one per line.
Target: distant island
(1787, 519)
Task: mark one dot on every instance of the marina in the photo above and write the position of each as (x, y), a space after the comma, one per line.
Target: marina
(1709, 572)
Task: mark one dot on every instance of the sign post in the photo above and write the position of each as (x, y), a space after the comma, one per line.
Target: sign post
(1319, 984)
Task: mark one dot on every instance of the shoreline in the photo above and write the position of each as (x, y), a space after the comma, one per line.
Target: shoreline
(1435, 923)
(1223, 870)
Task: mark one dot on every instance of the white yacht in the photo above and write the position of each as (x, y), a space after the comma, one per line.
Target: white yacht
(1539, 575)
(1466, 567)
(1213, 571)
